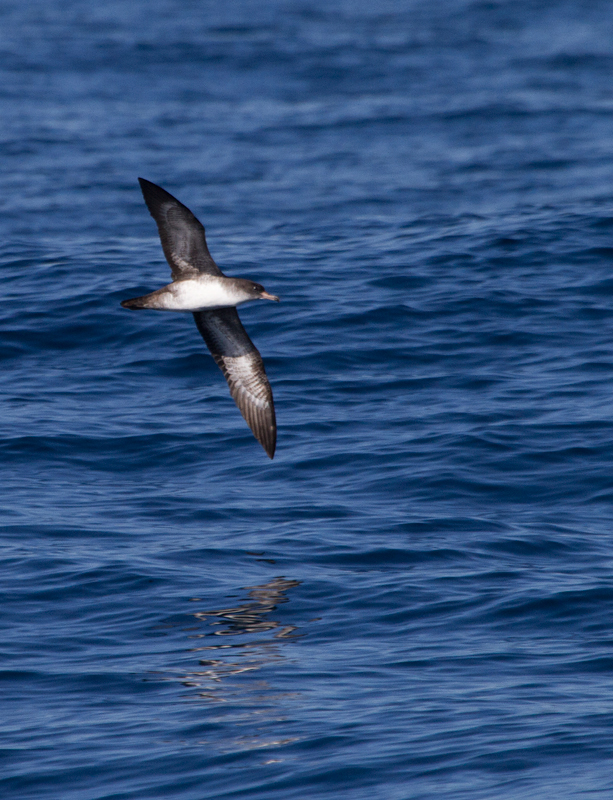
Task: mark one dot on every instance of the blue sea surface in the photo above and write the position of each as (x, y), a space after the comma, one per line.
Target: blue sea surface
(414, 600)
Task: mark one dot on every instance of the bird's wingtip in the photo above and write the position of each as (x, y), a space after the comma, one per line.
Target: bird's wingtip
(268, 446)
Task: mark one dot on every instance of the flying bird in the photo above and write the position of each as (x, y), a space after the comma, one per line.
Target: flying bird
(199, 286)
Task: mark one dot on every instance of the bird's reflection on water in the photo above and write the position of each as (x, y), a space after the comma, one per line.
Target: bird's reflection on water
(250, 617)
(223, 664)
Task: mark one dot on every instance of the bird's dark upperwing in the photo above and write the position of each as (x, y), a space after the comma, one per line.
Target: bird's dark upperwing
(239, 360)
(181, 233)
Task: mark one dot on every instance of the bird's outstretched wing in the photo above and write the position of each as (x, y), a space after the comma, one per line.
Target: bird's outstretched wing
(182, 235)
(243, 368)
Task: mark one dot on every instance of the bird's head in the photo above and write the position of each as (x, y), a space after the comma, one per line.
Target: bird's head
(255, 291)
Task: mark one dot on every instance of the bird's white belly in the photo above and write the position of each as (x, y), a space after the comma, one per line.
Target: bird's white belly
(194, 295)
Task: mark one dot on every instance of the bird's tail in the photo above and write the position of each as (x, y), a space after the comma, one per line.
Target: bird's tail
(136, 302)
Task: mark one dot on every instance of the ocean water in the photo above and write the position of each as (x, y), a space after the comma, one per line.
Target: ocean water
(414, 600)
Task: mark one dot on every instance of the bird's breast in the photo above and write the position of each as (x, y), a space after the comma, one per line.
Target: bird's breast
(196, 295)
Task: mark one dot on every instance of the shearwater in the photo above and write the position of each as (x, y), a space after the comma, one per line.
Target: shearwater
(199, 286)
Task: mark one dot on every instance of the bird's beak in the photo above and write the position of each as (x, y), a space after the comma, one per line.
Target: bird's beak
(266, 296)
